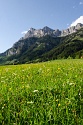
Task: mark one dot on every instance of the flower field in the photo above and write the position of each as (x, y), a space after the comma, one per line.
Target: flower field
(49, 93)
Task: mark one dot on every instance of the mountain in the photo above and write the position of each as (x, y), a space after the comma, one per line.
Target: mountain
(71, 46)
(42, 32)
(48, 31)
(45, 44)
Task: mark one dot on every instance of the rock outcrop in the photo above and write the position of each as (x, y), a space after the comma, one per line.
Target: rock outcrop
(48, 31)
(71, 30)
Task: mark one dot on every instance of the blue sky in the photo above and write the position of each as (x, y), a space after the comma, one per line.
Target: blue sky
(17, 16)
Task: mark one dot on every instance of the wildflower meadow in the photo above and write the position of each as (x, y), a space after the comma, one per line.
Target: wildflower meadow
(47, 93)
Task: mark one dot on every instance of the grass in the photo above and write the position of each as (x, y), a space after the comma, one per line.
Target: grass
(49, 93)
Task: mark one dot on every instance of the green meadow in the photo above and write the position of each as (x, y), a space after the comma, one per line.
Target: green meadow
(48, 93)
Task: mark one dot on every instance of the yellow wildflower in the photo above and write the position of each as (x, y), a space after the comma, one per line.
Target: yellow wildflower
(59, 104)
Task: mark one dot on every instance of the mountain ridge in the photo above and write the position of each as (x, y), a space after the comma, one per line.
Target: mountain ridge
(46, 47)
(37, 33)
(54, 33)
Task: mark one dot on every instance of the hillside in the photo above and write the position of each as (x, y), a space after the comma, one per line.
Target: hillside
(34, 49)
(70, 47)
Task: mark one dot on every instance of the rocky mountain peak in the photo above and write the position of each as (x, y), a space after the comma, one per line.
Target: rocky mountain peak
(48, 31)
(79, 25)
(31, 29)
(46, 28)
(71, 29)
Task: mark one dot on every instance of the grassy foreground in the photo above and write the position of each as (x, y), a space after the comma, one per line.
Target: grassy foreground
(48, 93)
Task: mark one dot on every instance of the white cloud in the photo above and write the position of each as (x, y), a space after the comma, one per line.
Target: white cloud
(79, 20)
(24, 32)
(81, 3)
